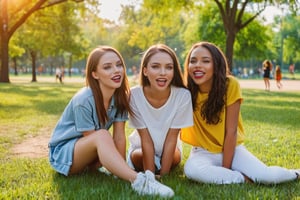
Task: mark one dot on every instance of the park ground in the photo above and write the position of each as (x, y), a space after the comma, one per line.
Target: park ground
(36, 147)
(288, 84)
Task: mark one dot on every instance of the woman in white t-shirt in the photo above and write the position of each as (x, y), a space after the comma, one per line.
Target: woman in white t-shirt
(161, 106)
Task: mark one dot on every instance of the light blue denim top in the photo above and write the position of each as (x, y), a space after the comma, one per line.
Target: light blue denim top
(80, 115)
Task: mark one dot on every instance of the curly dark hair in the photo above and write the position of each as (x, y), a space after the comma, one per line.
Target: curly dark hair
(215, 103)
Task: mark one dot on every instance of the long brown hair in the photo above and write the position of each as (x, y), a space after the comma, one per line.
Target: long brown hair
(177, 79)
(121, 94)
(215, 103)
(266, 64)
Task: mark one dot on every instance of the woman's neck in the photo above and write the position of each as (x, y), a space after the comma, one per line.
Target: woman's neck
(155, 97)
(107, 96)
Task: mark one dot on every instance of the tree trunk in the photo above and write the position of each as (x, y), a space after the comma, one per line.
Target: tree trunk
(4, 70)
(230, 38)
(5, 33)
(4, 60)
(33, 60)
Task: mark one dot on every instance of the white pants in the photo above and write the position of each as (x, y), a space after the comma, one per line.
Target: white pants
(206, 167)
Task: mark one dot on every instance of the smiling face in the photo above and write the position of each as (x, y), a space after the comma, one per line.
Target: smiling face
(109, 72)
(159, 70)
(201, 68)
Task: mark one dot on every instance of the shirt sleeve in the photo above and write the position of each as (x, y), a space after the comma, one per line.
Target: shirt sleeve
(234, 91)
(136, 120)
(83, 119)
(121, 117)
(184, 113)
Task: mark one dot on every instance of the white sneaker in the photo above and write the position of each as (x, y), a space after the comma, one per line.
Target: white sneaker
(104, 171)
(297, 171)
(145, 184)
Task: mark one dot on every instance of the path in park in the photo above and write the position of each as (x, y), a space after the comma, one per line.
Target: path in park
(36, 147)
(288, 85)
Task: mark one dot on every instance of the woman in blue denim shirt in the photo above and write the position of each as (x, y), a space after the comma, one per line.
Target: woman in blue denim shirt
(81, 138)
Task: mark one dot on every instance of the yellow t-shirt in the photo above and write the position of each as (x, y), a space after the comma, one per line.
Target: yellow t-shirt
(211, 136)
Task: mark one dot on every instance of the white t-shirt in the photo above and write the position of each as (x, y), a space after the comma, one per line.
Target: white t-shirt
(176, 113)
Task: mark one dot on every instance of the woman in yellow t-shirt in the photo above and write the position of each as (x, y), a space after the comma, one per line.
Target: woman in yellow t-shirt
(218, 154)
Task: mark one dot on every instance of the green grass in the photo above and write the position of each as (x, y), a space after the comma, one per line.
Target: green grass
(271, 123)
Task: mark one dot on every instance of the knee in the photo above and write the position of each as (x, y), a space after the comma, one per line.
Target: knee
(136, 158)
(189, 169)
(197, 171)
(176, 158)
(101, 135)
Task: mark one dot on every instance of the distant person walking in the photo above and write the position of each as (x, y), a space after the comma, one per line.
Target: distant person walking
(58, 75)
(267, 68)
(278, 76)
(292, 70)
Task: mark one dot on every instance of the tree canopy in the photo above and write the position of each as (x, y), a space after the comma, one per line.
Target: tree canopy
(14, 14)
(65, 33)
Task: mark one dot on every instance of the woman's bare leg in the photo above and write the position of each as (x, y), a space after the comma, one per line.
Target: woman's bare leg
(267, 83)
(137, 159)
(176, 158)
(100, 144)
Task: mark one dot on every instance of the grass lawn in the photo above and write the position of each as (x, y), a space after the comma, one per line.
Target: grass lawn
(271, 123)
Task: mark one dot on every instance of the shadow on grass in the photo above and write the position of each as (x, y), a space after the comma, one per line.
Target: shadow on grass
(92, 185)
(188, 189)
(240, 191)
(44, 98)
(33, 90)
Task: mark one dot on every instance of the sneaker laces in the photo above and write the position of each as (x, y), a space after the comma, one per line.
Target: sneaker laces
(148, 185)
(150, 181)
